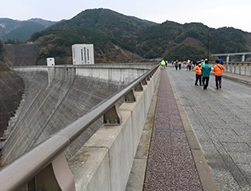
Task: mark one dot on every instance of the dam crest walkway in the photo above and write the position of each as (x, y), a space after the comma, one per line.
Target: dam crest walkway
(200, 138)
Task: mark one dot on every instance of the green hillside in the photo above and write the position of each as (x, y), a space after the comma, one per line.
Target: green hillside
(23, 32)
(120, 38)
(11, 30)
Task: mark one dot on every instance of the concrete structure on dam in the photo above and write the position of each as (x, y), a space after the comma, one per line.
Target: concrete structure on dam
(11, 91)
(56, 96)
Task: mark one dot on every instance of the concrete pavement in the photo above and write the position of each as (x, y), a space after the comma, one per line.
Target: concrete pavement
(221, 124)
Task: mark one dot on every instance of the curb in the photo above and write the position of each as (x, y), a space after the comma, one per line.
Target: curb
(237, 79)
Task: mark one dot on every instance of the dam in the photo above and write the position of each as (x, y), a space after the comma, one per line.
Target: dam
(109, 150)
(55, 97)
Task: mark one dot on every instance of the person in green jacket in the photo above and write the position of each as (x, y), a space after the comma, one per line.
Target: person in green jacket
(206, 69)
(176, 65)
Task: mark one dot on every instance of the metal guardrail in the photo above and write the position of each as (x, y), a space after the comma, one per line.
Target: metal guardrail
(45, 160)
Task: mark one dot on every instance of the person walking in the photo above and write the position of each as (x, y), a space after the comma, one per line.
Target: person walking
(179, 65)
(187, 65)
(218, 68)
(176, 65)
(163, 63)
(206, 69)
(198, 74)
(220, 61)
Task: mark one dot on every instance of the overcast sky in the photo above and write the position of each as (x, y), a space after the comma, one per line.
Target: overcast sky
(213, 13)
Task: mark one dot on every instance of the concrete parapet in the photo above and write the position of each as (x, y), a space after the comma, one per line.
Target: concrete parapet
(239, 68)
(107, 72)
(86, 174)
(106, 159)
(111, 74)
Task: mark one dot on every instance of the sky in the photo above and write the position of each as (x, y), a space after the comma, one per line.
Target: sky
(213, 13)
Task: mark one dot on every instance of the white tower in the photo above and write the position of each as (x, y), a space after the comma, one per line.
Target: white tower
(82, 54)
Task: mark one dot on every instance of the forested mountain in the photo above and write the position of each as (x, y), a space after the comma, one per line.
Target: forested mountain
(21, 30)
(120, 38)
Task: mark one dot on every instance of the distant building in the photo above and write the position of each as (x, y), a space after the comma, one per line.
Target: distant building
(82, 54)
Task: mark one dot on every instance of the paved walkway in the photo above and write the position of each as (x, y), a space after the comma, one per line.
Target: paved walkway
(218, 119)
(222, 124)
(170, 164)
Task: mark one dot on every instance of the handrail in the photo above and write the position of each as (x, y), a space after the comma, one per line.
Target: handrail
(18, 173)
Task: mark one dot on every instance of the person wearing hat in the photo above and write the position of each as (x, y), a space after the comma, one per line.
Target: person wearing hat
(198, 74)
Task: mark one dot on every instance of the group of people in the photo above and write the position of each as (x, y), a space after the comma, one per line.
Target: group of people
(178, 64)
(202, 72)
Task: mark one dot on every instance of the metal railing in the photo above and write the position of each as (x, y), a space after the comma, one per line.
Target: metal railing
(50, 153)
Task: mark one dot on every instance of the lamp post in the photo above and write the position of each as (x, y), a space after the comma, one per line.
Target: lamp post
(208, 44)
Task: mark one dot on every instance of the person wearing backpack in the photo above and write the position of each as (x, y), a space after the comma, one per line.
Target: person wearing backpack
(218, 68)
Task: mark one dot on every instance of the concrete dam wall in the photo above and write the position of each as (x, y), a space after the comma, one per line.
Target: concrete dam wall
(56, 97)
(11, 90)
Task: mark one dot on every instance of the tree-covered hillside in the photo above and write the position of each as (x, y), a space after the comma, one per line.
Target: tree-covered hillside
(14, 30)
(120, 38)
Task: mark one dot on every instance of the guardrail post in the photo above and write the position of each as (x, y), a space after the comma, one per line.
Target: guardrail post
(130, 97)
(148, 78)
(113, 116)
(144, 81)
(138, 87)
(56, 176)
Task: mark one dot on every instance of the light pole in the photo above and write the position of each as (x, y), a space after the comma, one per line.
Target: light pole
(208, 44)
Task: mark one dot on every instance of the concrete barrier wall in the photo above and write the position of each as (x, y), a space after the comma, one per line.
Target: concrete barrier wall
(55, 97)
(125, 73)
(239, 68)
(108, 72)
(114, 74)
(105, 161)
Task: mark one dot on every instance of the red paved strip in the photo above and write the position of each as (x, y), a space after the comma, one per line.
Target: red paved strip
(170, 164)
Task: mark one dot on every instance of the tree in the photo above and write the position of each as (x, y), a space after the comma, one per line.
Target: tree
(184, 52)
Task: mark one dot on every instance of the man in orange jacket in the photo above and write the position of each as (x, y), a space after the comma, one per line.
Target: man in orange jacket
(198, 74)
(218, 68)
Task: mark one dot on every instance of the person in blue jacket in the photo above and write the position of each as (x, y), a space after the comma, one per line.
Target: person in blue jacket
(206, 69)
(220, 61)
